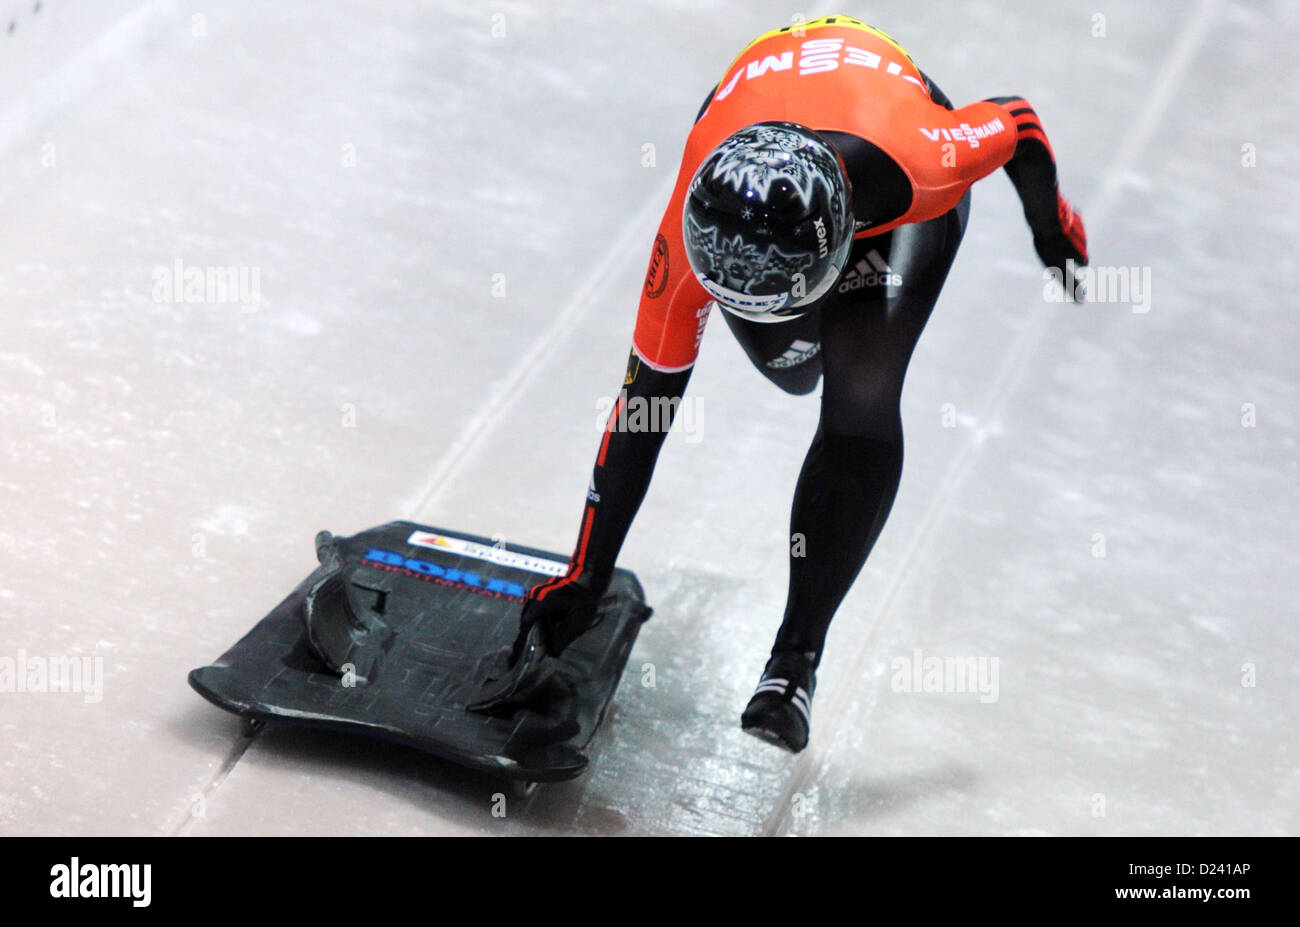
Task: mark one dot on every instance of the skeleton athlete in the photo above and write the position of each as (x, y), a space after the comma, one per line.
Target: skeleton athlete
(821, 199)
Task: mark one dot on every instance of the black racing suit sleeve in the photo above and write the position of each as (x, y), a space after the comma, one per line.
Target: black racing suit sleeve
(1058, 233)
(634, 434)
(1032, 169)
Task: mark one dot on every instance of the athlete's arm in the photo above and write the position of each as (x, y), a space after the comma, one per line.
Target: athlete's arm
(625, 462)
(670, 323)
(944, 151)
(1057, 229)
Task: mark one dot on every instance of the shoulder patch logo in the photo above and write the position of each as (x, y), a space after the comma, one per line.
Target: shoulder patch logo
(656, 278)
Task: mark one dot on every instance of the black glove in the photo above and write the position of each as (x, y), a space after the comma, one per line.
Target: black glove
(564, 611)
(1068, 241)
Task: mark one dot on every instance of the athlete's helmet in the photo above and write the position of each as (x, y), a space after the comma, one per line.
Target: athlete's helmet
(767, 221)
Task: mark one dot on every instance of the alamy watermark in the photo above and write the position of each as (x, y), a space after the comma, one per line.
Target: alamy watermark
(946, 675)
(31, 673)
(651, 414)
(1100, 284)
(238, 285)
(76, 879)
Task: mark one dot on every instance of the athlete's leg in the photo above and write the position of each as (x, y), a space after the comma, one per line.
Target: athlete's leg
(852, 470)
(787, 353)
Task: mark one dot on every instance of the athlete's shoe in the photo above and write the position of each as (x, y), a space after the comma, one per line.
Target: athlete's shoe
(781, 709)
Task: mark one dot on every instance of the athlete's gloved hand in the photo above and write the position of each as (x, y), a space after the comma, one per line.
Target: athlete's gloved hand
(565, 611)
(554, 615)
(1068, 241)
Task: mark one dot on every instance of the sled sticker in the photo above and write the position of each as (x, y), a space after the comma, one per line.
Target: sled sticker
(499, 555)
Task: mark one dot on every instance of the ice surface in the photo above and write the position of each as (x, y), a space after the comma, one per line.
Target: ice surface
(166, 464)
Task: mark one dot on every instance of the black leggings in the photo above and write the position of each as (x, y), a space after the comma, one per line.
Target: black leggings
(860, 338)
